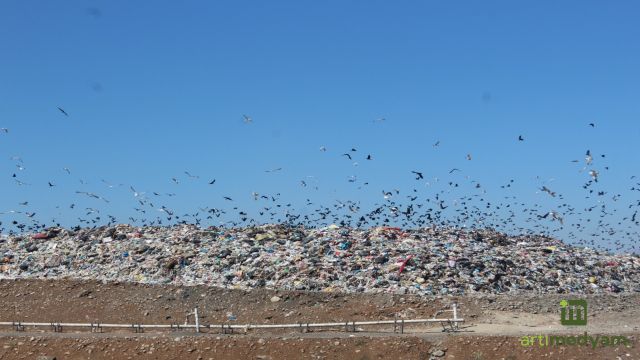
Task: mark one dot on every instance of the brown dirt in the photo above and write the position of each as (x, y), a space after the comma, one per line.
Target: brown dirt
(494, 324)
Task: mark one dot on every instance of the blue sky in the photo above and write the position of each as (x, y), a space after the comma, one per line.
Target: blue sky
(154, 89)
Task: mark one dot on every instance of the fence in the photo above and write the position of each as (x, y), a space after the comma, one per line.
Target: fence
(349, 326)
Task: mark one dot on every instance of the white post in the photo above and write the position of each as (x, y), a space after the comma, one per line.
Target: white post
(195, 311)
(455, 311)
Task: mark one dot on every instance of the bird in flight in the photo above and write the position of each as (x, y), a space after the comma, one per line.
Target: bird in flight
(520, 138)
(62, 111)
(322, 148)
(418, 175)
(454, 169)
(468, 156)
(247, 119)
(592, 125)
(554, 216)
(588, 158)
(212, 182)
(227, 198)
(273, 170)
(369, 157)
(191, 176)
(4, 130)
(92, 195)
(547, 190)
(347, 155)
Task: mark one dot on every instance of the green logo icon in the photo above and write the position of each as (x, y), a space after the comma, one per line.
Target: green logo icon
(573, 312)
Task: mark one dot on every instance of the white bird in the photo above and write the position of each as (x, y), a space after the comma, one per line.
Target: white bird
(246, 119)
(588, 158)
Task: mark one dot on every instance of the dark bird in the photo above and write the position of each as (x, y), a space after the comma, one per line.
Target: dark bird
(454, 169)
(62, 111)
(50, 184)
(418, 175)
(547, 190)
(592, 125)
(520, 138)
(347, 155)
(212, 182)
(228, 198)
(369, 157)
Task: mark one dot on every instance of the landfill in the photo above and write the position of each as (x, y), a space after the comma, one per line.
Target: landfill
(427, 261)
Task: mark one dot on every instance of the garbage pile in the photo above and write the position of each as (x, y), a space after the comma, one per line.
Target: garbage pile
(429, 261)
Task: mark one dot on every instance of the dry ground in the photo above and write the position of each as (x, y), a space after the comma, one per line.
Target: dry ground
(492, 330)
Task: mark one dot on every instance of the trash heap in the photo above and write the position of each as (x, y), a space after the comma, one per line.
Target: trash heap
(429, 261)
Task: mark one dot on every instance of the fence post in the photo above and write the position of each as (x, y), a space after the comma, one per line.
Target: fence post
(197, 320)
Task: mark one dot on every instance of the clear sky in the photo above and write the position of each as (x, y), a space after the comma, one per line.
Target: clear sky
(157, 88)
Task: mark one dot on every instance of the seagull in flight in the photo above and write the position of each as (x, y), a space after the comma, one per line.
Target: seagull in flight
(62, 111)
(191, 176)
(247, 119)
(92, 195)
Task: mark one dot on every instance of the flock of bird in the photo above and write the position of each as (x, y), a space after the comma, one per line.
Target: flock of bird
(462, 202)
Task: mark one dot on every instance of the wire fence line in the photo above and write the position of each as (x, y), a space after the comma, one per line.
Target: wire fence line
(448, 324)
